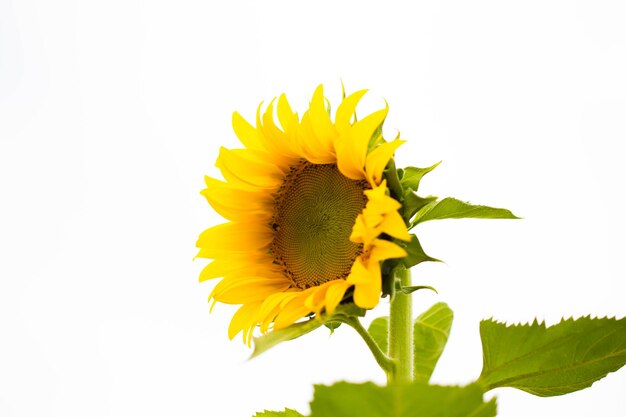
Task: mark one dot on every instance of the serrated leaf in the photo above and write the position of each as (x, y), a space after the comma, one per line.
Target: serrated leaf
(379, 330)
(287, 413)
(407, 400)
(431, 331)
(451, 208)
(415, 252)
(411, 176)
(273, 338)
(556, 360)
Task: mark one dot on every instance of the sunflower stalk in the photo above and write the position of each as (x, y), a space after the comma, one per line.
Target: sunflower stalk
(401, 330)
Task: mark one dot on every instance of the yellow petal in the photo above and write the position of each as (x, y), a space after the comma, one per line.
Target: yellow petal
(377, 160)
(384, 249)
(273, 139)
(242, 320)
(248, 171)
(246, 133)
(365, 231)
(346, 110)
(276, 141)
(382, 205)
(320, 120)
(287, 118)
(351, 152)
(367, 284)
(315, 301)
(364, 129)
(271, 307)
(368, 295)
(225, 195)
(358, 273)
(309, 145)
(351, 147)
(394, 225)
(292, 311)
(335, 294)
(216, 269)
(379, 202)
(237, 212)
(248, 290)
(237, 237)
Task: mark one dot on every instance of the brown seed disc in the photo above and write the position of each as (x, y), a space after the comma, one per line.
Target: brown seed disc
(315, 210)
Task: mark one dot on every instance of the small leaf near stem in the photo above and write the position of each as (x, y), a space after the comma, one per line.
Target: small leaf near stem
(430, 331)
(379, 330)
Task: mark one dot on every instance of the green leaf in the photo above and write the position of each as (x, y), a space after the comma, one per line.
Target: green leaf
(412, 203)
(379, 330)
(271, 339)
(287, 413)
(431, 331)
(408, 400)
(416, 254)
(411, 176)
(556, 360)
(451, 208)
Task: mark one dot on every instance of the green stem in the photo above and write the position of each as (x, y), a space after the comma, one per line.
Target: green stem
(401, 331)
(383, 360)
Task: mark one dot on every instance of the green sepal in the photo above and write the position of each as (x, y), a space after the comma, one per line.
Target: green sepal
(430, 334)
(410, 177)
(287, 413)
(451, 208)
(273, 338)
(412, 203)
(376, 138)
(413, 288)
(388, 284)
(415, 252)
(379, 330)
(332, 326)
(556, 360)
(393, 181)
(400, 400)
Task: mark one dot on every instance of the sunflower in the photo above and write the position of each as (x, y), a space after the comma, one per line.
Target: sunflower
(310, 218)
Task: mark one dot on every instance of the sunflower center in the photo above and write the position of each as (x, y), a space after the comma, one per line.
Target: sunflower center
(315, 210)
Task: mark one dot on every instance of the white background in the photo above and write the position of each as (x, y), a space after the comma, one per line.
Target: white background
(111, 113)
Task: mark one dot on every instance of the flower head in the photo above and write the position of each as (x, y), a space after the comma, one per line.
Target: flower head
(309, 215)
